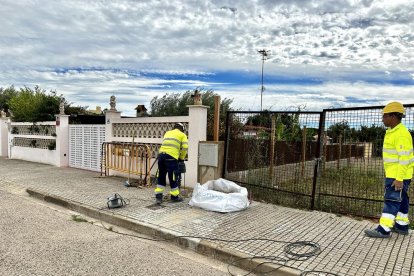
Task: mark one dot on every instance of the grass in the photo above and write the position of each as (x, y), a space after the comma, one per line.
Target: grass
(363, 183)
(78, 218)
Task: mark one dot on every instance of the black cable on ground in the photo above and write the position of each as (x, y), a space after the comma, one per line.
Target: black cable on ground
(291, 252)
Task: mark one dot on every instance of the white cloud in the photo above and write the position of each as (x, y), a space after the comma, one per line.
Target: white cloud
(306, 37)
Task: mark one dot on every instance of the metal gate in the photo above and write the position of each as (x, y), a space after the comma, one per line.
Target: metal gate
(85, 143)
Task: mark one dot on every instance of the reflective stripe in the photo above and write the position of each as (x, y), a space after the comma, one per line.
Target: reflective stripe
(405, 153)
(402, 219)
(170, 145)
(404, 162)
(402, 215)
(175, 192)
(391, 160)
(159, 189)
(386, 223)
(386, 215)
(184, 143)
(172, 139)
(393, 151)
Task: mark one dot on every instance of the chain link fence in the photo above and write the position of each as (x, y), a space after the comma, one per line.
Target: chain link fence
(329, 161)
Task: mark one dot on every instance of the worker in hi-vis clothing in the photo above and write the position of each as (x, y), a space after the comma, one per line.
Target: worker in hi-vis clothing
(397, 154)
(173, 150)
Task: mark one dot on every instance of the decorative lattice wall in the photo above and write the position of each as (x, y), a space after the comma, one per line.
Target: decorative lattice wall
(34, 143)
(143, 130)
(41, 130)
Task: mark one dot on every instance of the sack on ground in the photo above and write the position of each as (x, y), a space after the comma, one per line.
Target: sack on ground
(220, 195)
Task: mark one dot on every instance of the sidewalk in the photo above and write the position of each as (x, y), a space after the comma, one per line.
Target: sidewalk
(345, 249)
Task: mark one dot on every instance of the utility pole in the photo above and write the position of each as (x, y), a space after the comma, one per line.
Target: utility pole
(265, 55)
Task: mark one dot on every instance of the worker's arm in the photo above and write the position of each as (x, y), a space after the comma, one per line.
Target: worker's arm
(184, 147)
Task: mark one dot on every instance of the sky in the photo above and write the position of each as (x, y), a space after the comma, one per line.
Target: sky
(322, 54)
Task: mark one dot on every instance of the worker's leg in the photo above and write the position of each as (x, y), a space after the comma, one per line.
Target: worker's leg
(392, 202)
(172, 166)
(401, 221)
(161, 182)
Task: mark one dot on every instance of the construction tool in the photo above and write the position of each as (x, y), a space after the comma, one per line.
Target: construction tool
(116, 201)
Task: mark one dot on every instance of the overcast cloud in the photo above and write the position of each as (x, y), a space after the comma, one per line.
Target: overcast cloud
(323, 53)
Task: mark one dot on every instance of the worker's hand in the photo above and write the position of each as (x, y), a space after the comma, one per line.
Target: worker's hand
(398, 185)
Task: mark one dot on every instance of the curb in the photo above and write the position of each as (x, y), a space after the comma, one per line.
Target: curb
(200, 246)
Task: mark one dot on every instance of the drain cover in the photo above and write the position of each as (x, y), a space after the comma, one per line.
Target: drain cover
(155, 206)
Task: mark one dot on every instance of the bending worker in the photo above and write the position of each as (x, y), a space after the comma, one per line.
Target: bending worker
(398, 161)
(173, 150)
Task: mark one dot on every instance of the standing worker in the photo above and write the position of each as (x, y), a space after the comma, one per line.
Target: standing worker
(398, 161)
(173, 150)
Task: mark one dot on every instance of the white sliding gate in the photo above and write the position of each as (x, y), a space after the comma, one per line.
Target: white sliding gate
(85, 143)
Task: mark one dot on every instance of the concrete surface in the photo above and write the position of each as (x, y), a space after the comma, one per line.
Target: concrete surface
(344, 248)
(38, 238)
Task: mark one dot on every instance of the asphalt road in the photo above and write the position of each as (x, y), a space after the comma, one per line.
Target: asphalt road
(37, 238)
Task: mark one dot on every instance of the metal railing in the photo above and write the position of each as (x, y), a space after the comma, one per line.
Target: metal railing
(130, 158)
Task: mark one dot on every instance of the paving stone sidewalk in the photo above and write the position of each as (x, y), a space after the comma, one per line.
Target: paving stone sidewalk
(344, 248)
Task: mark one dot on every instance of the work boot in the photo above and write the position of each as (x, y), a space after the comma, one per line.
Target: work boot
(158, 198)
(375, 233)
(176, 199)
(400, 231)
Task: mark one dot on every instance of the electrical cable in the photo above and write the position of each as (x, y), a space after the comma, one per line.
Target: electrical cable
(291, 252)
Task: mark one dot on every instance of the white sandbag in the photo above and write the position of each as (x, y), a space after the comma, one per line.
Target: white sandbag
(220, 195)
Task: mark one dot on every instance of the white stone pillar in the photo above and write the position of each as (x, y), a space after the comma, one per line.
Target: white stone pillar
(62, 140)
(4, 136)
(109, 116)
(197, 131)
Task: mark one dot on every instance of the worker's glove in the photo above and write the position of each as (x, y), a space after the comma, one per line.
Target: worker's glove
(181, 166)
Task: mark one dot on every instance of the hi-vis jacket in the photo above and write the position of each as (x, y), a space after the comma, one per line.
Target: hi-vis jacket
(397, 153)
(175, 143)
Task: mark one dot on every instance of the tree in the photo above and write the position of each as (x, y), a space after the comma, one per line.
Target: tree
(6, 94)
(287, 125)
(340, 129)
(34, 105)
(175, 104)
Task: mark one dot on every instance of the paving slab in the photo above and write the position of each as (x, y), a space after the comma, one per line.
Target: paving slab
(344, 248)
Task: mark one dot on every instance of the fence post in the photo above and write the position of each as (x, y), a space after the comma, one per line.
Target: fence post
(62, 140)
(303, 150)
(272, 149)
(4, 131)
(319, 150)
(197, 131)
(216, 131)
(339, 151)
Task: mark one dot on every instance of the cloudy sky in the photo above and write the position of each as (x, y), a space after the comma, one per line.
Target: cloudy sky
(323, 53)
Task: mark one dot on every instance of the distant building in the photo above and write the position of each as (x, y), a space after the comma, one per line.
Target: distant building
(326, 139)
(141, 111)
(98, 110)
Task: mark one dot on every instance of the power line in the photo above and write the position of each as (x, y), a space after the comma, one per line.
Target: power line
(265, 55)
